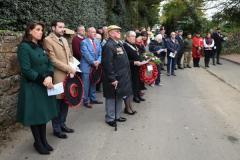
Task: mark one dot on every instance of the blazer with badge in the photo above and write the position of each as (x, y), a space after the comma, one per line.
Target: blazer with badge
(60, 56)
(89, 54)
(172, 46)
(116, 67)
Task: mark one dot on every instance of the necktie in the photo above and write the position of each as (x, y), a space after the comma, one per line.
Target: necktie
(60, 40)
(94, 46)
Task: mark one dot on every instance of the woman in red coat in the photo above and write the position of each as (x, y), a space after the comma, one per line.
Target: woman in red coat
(197, 49)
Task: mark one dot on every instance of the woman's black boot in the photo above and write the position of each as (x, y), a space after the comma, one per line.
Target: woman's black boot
(38, 143)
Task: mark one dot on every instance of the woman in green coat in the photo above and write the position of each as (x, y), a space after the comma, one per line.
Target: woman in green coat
(35, 108)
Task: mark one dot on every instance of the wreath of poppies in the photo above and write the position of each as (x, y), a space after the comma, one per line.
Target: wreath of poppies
(96, 75)
(147, 76)
(73, 91)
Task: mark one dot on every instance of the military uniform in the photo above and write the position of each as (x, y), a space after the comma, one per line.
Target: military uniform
(116, 68)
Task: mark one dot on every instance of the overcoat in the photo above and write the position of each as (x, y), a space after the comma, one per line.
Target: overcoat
(34, 105)
(60, 56)
(116, 67)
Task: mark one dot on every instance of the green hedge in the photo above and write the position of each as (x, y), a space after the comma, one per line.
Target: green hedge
(14, 14)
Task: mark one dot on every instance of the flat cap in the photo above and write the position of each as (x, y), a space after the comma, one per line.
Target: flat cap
(68, 31)
(113, 27)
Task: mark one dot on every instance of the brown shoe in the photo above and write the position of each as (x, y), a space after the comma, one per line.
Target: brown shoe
(87, 105)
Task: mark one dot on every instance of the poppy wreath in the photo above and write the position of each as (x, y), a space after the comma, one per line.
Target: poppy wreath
(73, 91)
(146, 76)
(96, 74)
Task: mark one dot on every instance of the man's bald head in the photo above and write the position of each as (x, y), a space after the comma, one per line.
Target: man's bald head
(91, 32)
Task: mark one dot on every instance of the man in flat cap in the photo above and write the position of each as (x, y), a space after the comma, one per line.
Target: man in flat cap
(117, 76)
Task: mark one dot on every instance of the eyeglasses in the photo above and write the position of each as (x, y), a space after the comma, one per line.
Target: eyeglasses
(117, 31)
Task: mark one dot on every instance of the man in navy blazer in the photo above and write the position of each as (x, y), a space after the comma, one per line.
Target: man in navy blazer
(91, 57)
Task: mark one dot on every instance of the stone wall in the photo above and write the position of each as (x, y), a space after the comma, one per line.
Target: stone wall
(10, 78)
(9, 74)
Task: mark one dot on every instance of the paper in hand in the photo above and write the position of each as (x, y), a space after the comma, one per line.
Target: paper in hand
(172, 54)
(74, 64)
(57, 89)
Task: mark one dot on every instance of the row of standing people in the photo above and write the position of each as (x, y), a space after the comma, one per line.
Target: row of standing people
(179, 52)
(45, 61)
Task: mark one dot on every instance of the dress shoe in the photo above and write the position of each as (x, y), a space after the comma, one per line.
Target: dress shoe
(129, 113)
(87, 105)
(141, 99)
(40, 148)
(96, 102)
(121, 119)
(179, 67)
(60, 135)
(219, 63)
(136, 99)
(112, 123)
(144, 88)
(48, 147)
(67, 130)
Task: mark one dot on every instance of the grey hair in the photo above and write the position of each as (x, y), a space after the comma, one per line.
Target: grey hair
(129, 33)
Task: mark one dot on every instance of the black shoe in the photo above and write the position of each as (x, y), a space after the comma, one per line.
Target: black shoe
(189, 66)
(87, 105)
(60, 135)
(129, 113)
(174, 74)
(67, 130)
(48, 147)
(219, 63)
(141, 99)
(121, 119)
(163, 69)
(136, 99)
(40, 148)
(179, 67)
(112, 123)
(96, 102)
(144, 88)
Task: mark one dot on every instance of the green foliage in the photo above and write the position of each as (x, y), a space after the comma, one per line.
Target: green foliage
(126, 13)
(15, 14)
(229, 15)
(186, 15)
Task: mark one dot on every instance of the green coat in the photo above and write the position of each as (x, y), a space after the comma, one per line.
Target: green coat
(34, 105)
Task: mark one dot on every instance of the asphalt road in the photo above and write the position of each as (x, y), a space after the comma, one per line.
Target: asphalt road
(194, 116)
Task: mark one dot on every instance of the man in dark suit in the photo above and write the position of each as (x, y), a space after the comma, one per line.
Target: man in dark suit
(218, 39)
(172, 50)
(179, 59)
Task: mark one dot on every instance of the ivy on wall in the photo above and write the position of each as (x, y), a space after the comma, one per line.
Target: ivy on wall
(14, 14)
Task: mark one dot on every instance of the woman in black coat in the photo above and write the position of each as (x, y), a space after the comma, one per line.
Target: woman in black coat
(135, 63)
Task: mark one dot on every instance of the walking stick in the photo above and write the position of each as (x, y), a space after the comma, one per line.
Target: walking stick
(115, 98)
